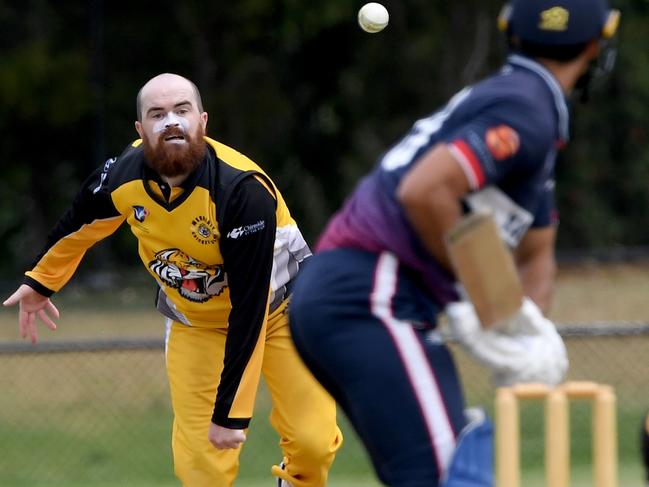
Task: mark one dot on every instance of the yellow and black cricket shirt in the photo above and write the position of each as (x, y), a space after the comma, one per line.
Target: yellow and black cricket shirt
(213, 245)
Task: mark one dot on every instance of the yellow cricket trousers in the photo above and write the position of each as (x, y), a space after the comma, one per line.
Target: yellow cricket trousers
(303, 414)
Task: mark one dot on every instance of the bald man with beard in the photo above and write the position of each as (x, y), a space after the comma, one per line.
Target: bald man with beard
(215, 233)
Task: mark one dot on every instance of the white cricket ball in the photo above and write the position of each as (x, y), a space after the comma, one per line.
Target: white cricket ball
(373, 17)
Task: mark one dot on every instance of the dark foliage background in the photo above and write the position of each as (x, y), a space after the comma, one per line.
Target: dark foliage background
(298, 87)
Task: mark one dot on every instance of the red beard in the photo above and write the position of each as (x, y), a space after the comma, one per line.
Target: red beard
(171, 160)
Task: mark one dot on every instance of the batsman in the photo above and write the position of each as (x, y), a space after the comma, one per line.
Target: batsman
(364, 310)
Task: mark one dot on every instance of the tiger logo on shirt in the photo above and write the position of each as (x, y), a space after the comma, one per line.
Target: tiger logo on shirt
(194, 280)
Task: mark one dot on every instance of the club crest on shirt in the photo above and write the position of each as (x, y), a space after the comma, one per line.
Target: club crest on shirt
(502, 141)
(203, 230)
(194, 280)
(140, 213)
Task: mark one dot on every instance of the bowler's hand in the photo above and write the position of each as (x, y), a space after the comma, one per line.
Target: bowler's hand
(32, 304)
(224, 438)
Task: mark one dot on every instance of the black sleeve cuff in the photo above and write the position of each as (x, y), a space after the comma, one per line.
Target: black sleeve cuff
(231, 423)
(37, 286)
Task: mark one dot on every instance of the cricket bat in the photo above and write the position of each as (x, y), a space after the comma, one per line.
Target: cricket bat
(485, 267)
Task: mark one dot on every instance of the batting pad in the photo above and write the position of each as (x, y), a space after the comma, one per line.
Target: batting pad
(472, 462)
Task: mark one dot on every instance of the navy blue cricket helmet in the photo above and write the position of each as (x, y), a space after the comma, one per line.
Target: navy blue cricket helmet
(559, 22)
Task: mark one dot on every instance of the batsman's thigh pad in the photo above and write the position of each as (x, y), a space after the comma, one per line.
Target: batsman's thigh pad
(472, 462)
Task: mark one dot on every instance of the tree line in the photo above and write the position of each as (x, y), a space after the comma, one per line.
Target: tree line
(299, 88)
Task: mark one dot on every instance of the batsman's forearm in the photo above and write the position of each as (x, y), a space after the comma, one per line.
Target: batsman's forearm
(537, 279)
(536, 263)
(432, 217)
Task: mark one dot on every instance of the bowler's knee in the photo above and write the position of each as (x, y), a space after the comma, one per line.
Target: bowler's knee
(317, 447)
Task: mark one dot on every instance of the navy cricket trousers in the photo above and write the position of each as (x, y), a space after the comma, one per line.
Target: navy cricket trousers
(357, 320)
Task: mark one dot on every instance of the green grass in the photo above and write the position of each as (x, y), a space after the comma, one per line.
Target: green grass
(87, 419)
(335, 481)
(581, 476)
(87, 456)
(103, 419)
(96, 418)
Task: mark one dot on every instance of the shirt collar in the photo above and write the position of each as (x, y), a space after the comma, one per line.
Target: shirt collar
(557, 93)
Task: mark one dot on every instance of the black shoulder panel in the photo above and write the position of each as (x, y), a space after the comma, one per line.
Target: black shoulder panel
(228, 178)
(122, 169)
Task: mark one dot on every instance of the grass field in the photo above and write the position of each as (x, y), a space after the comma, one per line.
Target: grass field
(103, 419)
